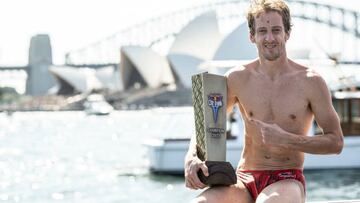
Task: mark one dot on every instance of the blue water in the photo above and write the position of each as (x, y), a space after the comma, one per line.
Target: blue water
(73, 157)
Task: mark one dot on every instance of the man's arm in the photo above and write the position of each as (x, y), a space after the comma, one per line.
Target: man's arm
(330, 142)
(192, 165)
(231, 97)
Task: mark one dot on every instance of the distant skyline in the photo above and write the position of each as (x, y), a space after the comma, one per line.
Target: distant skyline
(73, 24)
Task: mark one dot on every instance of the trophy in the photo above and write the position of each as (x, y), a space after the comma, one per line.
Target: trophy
(209, 94)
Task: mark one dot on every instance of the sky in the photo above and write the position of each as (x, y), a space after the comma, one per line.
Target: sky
(72, 24)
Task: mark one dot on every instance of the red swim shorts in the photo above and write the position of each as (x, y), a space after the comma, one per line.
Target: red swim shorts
(256, 180)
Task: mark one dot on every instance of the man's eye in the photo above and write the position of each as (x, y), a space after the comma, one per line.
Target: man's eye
(276, 30)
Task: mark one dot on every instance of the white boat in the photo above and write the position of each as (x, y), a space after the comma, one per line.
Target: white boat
(167, 155)
(95, 104)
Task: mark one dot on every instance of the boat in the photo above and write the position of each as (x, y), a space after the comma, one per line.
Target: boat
(95, 104)
(167, 155)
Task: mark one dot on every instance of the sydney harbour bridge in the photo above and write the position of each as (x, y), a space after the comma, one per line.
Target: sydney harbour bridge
(158, 33)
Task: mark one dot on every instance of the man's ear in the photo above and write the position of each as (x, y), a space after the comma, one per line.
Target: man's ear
(252, 37)
(287, 35)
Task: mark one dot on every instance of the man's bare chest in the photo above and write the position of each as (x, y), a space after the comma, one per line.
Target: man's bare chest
(267, 101)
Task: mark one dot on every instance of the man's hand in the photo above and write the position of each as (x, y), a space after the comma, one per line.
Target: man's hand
(192, 166)
(272, 134)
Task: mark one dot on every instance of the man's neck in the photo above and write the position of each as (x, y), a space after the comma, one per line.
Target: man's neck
(274, 69)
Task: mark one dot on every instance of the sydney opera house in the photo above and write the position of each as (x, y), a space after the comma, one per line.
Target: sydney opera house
(198, 47)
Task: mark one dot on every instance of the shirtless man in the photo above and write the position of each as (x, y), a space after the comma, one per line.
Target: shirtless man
(278, 100)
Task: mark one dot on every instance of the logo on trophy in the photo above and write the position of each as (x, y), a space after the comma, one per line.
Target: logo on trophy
(209, 102)
(215, 102)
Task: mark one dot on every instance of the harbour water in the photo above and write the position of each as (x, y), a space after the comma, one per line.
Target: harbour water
(73, 157)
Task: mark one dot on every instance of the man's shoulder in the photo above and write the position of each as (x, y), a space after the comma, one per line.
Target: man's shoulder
(310, 79)
(235, 71)
(240, 71)
(308, 74)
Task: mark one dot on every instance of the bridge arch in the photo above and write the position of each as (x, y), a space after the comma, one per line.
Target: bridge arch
(159, 32)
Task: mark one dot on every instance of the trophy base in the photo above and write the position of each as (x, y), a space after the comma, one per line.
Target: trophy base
(220, 173)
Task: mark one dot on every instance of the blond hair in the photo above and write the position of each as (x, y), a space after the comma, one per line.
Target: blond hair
(258, 7)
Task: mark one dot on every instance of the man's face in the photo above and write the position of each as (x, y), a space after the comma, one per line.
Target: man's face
(269, 36)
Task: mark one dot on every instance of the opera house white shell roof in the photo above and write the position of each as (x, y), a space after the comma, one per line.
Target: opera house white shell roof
(236, 45)
(71, 80)
(200, 38)
(151, 68)
(184, 66)
(81, 79)
(109, 77)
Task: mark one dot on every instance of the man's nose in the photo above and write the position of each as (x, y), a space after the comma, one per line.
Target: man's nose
(269, 37)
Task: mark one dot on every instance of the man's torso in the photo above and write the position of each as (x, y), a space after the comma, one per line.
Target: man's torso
(282, 101)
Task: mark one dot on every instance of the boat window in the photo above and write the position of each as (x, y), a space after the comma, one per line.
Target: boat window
(349, 113)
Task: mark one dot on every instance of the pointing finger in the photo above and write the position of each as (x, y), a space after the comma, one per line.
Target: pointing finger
(257, 122)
